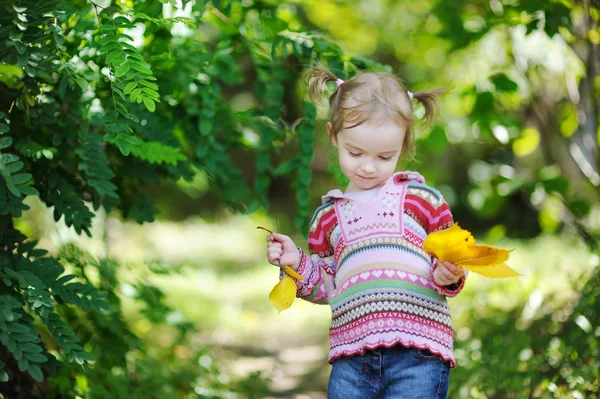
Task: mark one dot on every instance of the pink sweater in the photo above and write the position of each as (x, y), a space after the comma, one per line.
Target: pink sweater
(367, 262)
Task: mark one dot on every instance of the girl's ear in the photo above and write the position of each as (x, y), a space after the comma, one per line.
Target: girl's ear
(329, 126)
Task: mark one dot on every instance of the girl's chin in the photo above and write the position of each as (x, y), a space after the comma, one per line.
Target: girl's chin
(366, 184)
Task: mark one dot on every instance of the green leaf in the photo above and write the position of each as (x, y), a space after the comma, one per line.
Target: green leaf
(110, 116)
(129, 87)
(82, 83)
(122, 70)
(35, 357)
(151, 92)
(140, 68)
(35, 372)
(4, 128)
(23, 364)
(206, 126)
(113, 55)
(124, 147)
(21, 178)
(27, 337)
(135, 94)
(107, 39)
(150, 105)
(503, 83)
(14, 35)
(579, 208)
(287, 167)
(157, 153)
(148, 84)
(62, 86)
(29, 347)
(28, 190)
(11, 74)
(121, 20)
(17, 328)
(86, 356)
(5, 142)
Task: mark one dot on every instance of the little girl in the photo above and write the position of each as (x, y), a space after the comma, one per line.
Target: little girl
(391, 332)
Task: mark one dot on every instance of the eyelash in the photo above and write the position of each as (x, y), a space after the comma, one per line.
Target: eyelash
(358, 155)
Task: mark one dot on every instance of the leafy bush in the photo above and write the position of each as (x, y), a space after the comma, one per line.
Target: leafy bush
(89, 117)
(555, 355)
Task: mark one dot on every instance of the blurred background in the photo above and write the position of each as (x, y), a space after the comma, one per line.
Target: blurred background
(515, 152)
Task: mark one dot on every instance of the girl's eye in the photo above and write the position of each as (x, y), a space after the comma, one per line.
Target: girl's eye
(352, 154)
(386, 158)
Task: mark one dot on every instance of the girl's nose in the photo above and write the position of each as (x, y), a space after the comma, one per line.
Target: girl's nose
(368, 167)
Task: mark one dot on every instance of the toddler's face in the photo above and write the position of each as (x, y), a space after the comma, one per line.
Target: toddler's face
(368, 153)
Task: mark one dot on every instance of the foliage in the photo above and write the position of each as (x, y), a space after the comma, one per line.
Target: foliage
(551, 355)
(92, 111)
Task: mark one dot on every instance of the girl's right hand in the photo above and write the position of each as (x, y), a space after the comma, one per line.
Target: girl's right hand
(281, 251)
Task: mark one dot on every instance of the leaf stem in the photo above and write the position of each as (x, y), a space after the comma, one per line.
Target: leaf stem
(265, 229)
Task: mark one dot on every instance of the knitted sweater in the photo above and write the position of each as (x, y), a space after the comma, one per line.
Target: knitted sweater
(367, 262)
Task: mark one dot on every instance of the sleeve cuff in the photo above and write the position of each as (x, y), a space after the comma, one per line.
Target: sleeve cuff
(302, 258)
(301, 268)
(449, 291)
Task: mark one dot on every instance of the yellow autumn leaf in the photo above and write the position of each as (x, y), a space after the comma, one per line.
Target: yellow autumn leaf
(283, 294)
(291, 272)
(456, 245)
(477, 255)
(452, 238)
(497, 271)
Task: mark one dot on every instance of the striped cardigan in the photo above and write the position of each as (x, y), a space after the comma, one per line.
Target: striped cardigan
(367, 262)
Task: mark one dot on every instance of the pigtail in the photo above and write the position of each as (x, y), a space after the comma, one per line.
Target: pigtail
(316, 79)
(429, 99)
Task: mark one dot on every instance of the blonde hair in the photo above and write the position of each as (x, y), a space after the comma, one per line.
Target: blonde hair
(368, 96)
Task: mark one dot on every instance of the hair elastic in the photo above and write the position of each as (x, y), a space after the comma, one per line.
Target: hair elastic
(410, 94)
(339, 82)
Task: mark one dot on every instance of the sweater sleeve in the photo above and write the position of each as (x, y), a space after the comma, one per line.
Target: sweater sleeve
(317, 267)
(441, 219)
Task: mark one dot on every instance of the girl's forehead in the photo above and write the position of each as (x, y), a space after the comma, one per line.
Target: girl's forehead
(378, 137)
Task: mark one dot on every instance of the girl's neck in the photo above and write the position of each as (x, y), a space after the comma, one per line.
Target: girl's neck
(353, 189)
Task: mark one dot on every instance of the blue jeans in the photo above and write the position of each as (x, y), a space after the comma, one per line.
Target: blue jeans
(390, 373)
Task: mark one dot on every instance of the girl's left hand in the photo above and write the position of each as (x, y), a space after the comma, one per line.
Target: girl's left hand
(447, 273)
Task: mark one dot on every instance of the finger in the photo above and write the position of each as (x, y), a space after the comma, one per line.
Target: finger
(282, 238)
(443, 281)
(276, 250)
(440, 279)
(275, 244)
(274, 256)
(448, 275)
(452, 268)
